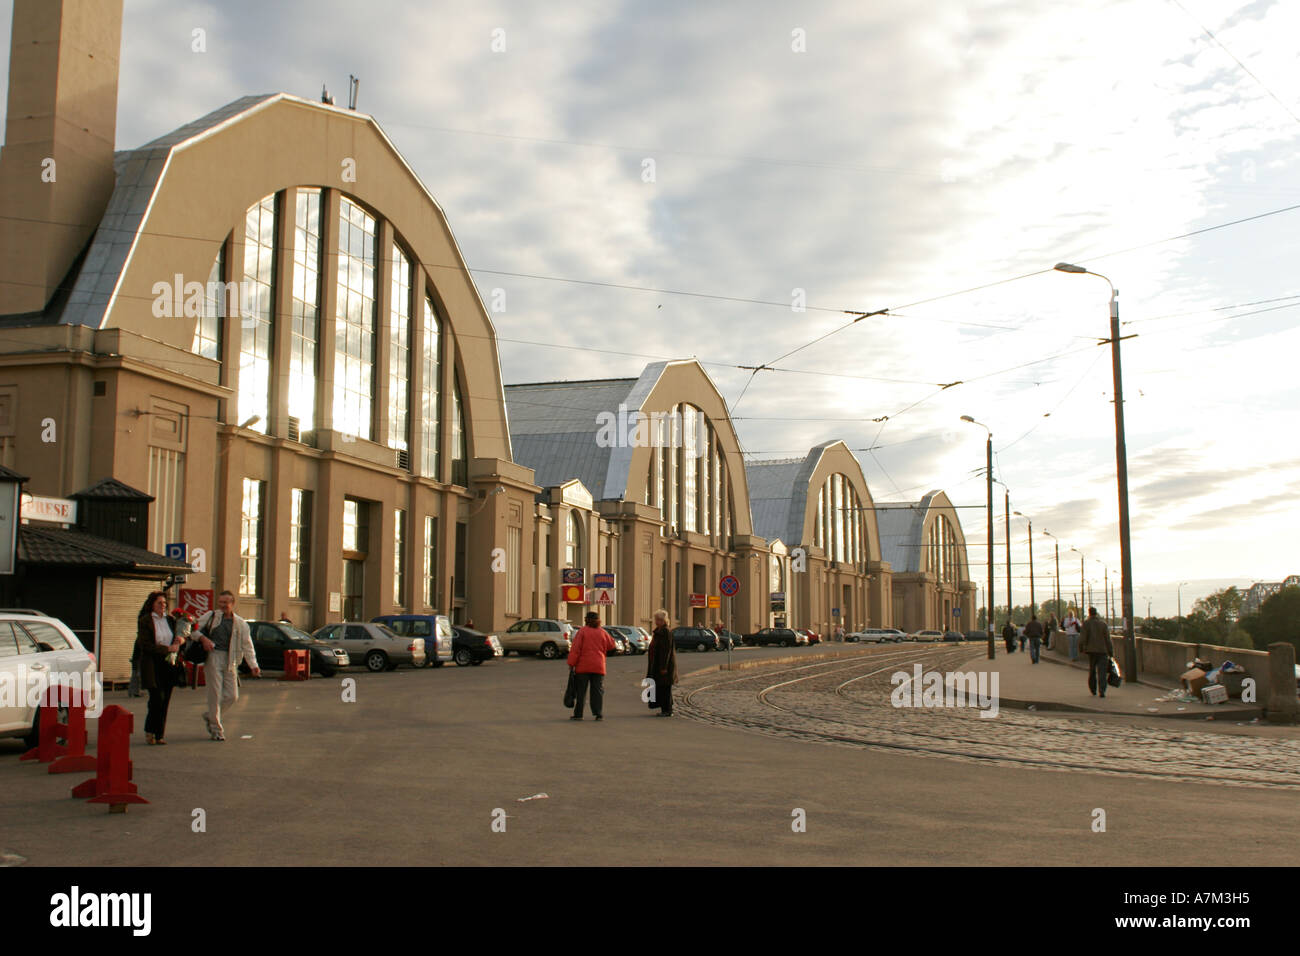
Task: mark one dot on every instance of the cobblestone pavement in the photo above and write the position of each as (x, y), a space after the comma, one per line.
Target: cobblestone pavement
(847, 703)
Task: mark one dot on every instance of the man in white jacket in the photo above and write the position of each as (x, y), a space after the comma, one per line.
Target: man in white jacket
(226, 638)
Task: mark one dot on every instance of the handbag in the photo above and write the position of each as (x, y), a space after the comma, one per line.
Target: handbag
(571, 690)
(194, 652)
(1113, 678)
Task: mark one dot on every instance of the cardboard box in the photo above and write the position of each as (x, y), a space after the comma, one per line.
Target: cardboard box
(1214, 694)
(1193, 680)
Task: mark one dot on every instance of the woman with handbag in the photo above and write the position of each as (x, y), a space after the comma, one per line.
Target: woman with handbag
(156, 647)
(661, 665)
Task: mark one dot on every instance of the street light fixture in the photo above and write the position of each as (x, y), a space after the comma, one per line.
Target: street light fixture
(1121, 474)
(1083, 594)
(988, 603)
(1056, 541)
(1033, 605)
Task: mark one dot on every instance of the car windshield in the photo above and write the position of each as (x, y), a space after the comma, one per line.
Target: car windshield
(294, 633)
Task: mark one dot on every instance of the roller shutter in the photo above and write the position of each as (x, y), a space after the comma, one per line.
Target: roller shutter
(121, 600)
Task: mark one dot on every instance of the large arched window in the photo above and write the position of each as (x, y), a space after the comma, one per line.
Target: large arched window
(573, 541)
(686, 476)
(257, 315)
(841, 524)
(354, 321)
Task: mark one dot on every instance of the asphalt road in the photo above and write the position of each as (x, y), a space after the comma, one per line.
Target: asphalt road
(417, 770)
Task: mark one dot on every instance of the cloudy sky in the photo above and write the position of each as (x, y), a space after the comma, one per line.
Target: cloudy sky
(885, 155)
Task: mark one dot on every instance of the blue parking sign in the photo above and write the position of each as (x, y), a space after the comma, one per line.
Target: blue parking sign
(175, 550)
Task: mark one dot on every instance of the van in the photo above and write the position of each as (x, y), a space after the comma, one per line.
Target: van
(439, 638)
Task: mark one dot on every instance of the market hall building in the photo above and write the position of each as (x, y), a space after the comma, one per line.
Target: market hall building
(643, 478)
(926, 548)
(817, 516)
(263, 322)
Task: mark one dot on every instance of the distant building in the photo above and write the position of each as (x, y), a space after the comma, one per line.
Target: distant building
(922, 541)
(1260, 592)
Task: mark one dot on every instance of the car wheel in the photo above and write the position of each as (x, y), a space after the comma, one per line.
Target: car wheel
(476, 662)
(785, 643)
(549, 651)
(464, 658)
(701, 646)
(376, 661)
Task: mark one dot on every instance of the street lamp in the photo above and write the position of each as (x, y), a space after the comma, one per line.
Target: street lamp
(1180, 606)
(1007, 523)
(988, 603)
(1033, 606)
(1083, 594)
(1057, 543)
(1121, 475)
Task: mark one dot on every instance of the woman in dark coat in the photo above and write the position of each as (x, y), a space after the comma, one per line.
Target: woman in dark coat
(156, 638)
(661, 665)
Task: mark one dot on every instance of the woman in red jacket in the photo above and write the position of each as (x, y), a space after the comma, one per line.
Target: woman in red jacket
(587, 658)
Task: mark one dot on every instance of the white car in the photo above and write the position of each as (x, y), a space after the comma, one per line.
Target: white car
(37, 650)
(925, 636)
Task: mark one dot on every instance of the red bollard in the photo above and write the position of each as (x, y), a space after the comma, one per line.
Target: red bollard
(71, 755)
(297, 665)
(200, 681)
(112, 781)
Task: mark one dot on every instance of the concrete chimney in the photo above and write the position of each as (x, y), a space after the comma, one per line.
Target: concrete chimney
(56, 167)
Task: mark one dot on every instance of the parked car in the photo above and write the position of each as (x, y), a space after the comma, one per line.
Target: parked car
(784, 636)
(546, 637)
(874, 635)
(620, 643)
(272, 638)
(435, 629)
(977, 636)
(728, 638)
(34, 646)
(374, 644)
(813, 636)
(696, 638)
(472, 648)
(954, 636)
(635, 639)
(925, 636)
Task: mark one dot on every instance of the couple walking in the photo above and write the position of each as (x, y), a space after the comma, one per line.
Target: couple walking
(587, 659)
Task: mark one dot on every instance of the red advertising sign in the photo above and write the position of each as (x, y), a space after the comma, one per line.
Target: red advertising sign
(573, 594)
(699, 600)
(195, 601)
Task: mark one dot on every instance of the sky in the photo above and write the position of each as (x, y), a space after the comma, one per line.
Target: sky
(671, 180)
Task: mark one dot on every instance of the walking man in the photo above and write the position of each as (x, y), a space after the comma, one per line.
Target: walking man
(1034, 632)
(587, 658)
(1071, 624)
(1009, 635)
(1097, 645)
(226, 638)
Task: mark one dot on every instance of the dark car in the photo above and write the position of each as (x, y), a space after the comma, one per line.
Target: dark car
(695, 638)
(728, 638)
(953, 636)
(784, 636)
(272, 638)
(471, 648)
(977, 635)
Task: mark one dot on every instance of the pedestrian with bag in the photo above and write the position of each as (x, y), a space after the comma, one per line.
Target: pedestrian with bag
(661, 665)
(224, 635)
(156, 647)
(587, 659)
(1009, 636)
(1052, 628)
(1034, 633)
(1096, 643)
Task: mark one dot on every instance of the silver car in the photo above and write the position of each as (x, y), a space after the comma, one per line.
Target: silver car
(374, 644)
(636, 639)
(547, 637)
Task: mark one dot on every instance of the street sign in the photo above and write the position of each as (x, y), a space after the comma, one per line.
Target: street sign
(699, 600)
(175, 551)
(573, 594)
(602, 596)
(835, 612)
(956, 612)
(573, 576)
(729, 585)
(715, 601)
(603, 580)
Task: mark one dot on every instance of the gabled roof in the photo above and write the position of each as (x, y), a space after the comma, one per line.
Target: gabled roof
(111, 488)
(65, 547)
(8, 474)
(778, 493)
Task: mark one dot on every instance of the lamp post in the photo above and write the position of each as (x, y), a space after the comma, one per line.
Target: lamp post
(988, 604)
(1121, 475)
(1007, 517)
(1083, 593)
(1056, 542)
(1033, 606)
(1180, 606)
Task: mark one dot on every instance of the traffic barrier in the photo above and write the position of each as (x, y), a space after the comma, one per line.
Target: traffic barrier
(70, 755)
(112, 781)
(297, 665)
(200, 681)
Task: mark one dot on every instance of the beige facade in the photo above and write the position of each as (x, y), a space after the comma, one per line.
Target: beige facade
(273, 332)
(647, 473)
(924, 544)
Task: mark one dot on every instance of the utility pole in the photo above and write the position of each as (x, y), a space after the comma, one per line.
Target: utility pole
(1010, 605)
